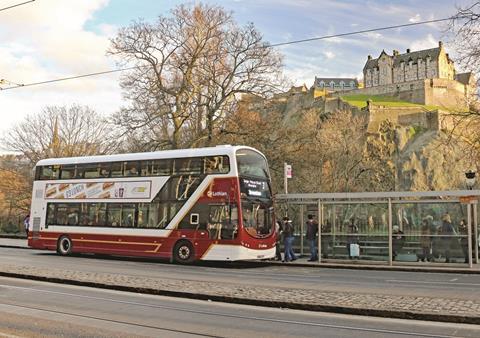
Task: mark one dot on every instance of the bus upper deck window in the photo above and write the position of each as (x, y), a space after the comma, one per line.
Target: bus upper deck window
(68, 172)
(217, 165)
(117, 169)
(161, 167)
(131, 168)
(50, 172)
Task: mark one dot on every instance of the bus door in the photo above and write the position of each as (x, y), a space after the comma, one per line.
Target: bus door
(223, 222)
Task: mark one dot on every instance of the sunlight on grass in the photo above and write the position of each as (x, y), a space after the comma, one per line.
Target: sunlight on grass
(360, 101)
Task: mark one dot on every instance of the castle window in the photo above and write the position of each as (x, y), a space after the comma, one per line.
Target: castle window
(332, 84)
(352, 84)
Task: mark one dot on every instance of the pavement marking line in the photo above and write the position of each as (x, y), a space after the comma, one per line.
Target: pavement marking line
(424, 282)
(453, 280)
(221, 314)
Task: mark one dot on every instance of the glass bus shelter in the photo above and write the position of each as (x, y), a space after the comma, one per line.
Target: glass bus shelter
(418, 228)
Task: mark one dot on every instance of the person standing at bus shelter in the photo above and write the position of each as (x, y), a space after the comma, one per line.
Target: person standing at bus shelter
(312, 230)
(288, 240)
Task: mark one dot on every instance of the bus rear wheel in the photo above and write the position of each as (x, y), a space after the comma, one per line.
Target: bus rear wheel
(183, 252)
(64, 246)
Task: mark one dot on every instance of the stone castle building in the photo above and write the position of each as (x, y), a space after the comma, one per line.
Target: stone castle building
(426, 77)
(411, 66)
(335, 83)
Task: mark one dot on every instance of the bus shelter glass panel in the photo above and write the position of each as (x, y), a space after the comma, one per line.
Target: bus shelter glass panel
(430, 232)
(356, 231)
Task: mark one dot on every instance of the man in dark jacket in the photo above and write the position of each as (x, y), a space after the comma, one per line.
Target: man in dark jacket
(312, 229)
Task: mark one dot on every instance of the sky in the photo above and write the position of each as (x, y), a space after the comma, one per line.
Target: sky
(50, 39)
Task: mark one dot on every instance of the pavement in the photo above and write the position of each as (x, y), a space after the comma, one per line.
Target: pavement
(441, 308)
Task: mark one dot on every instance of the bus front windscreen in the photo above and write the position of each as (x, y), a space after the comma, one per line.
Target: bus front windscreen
(256, 199)
(251, 164)
(257, 218)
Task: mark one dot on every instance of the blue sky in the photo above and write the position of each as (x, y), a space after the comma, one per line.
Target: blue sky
(50, 39)
(285, 20)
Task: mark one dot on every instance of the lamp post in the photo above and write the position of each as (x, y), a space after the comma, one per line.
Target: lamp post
(470, 182)
(470, 178)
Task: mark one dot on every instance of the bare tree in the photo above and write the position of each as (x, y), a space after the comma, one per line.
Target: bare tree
(465, 26)
(192, 66)
(61, 132)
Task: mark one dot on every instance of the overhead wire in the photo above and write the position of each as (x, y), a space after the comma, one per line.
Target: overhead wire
(324, 37)
(20, 4)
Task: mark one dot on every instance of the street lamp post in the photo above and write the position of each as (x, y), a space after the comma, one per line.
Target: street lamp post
(470, 182)
(470, 178)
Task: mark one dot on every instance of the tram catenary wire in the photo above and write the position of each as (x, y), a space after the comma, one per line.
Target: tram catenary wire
(410, 24)
(210, 313)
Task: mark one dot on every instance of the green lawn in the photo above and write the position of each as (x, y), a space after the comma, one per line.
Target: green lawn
(360, 101)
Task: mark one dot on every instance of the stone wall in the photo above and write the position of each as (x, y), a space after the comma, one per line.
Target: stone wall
(433, 92)
(401, 116)
(445, 93)
(412, 91)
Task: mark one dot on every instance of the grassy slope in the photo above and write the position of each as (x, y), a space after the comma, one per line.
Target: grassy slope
(360, 101)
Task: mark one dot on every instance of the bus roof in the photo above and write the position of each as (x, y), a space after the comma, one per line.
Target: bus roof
(177, 153)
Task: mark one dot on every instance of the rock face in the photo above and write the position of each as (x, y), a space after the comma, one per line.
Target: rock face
(430, 160)
(422, 156)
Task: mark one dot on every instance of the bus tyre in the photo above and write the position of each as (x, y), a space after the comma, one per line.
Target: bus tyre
(183, 252)
(64, 246)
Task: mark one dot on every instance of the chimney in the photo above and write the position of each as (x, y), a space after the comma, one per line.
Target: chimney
(440, 44)
(369, 57)
(408, 50)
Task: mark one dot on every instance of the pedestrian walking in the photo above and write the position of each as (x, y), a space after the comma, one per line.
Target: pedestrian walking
(289, 255)
(26, 224)
(312, 230)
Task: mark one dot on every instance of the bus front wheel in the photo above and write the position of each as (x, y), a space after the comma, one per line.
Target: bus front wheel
(183, 252)
(64, 246)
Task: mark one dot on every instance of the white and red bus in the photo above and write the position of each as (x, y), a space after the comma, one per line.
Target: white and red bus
(189, 204)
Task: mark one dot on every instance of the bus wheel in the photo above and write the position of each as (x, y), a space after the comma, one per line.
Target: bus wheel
(183, 252)
(64, 246)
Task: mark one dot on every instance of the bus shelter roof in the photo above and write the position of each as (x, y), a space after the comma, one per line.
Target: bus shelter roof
(452, 195)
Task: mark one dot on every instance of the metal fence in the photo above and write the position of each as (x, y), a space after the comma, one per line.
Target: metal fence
(388, 227)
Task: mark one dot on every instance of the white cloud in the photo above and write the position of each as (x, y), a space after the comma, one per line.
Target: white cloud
(329, 54)
(46, 40)
(425, 43)
(415, 18)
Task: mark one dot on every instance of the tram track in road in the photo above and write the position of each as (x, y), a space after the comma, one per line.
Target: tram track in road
(190, 311)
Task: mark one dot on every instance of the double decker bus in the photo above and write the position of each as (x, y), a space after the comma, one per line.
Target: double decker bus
(190, 204)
